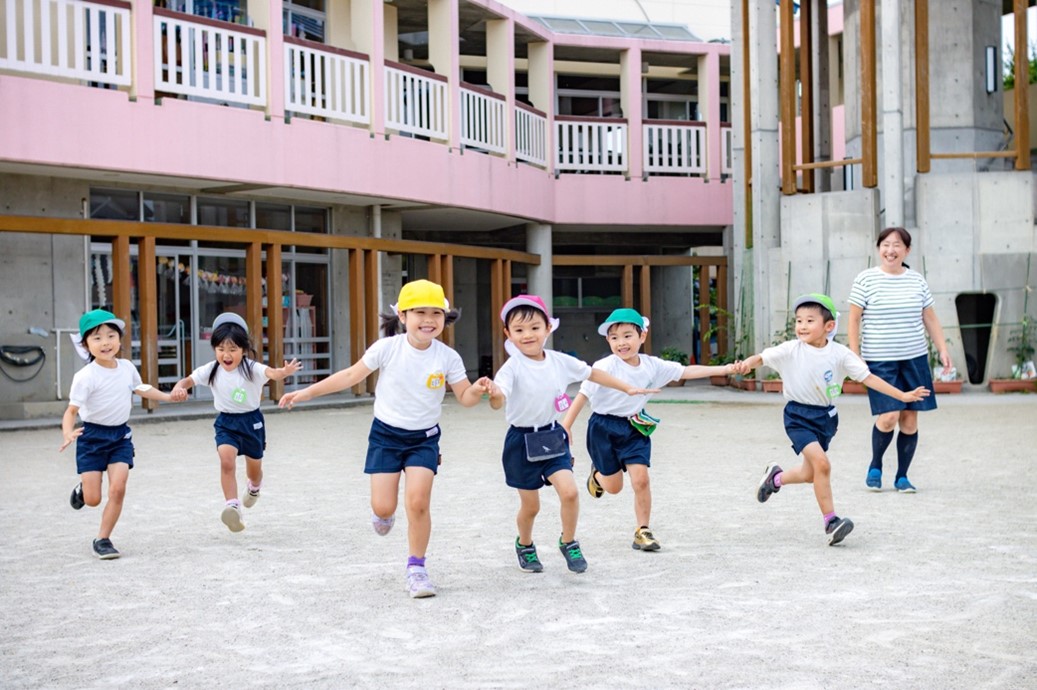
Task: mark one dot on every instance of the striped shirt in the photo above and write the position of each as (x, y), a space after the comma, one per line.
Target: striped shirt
(891, 326)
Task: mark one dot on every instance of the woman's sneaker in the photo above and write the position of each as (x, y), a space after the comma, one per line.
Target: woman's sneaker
(573, 555)
(231, 517)
(874, 480)
(644, 541)
(837, 529)
(382, 526)
(104, 550)
(418, 584)
(77, 497)
(251, 496)
(593, 487)
(766, 488)
(905, 487)
(527, 558)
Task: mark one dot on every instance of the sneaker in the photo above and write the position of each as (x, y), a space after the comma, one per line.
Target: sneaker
(573, 555)
(593, 487)
(104, 550)
(904, 486)
(77, 497)
(250, 497)
(767, 487)
(382, 526)
(837, 529)
(874, 480)
(231, 517)
(644, 541)
(527, 558)
(418, 584)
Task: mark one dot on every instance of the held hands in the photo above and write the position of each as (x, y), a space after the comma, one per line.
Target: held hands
(486, 386)
(740, 367)
(915, 395)
(178, 394)
(70, 437)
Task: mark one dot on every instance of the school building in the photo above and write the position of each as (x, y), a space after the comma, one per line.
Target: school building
(296, 161)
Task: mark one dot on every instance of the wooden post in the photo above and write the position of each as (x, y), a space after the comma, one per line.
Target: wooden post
(747, 127)
(806, 80)
(722, 335)
(646, 301)
(357, 341)
(254, 295)
(787, 96)
(372, 319)
(922, 140)
(147, 307)
(274, 316)
(869, 105)
(446, 276)
(121, 280)
(627, 288)
(434, 269)
(497, 299)
(1022, 81)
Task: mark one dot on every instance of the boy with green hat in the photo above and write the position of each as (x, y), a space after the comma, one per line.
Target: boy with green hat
(812, 369)
(619, 429)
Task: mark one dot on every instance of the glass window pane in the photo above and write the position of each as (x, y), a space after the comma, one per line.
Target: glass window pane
(223, 212)
(273, 217)
(114, 204)
(308, 219)
(167, 208)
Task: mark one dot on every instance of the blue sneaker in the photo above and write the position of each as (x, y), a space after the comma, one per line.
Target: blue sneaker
(527, 558)
(905, 487)
(573, 555)
(874, 480)
(837, 529)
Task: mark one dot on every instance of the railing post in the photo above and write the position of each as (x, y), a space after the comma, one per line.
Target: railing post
(147, 307)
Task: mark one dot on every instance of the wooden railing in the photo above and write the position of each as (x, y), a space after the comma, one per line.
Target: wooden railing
(675, 147)
(67, 39)
(483, 119)
(415, 101)
(326, 82)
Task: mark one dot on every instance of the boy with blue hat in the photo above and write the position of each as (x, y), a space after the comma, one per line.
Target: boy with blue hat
(619, 429)
(812, 369)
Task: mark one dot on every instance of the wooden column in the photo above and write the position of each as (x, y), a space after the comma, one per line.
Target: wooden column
(254, 295)
(434, 268)
(869, 105)
(121, 280)
(627, 286)
(498, 295)
(1022, 81)
(722, 311)
(446, 278)
(646, 301)
(275, 316)
(372, 319)
(703, 307)
(747, 127)
(787, 98)
(147, 307)
(806, 100)
(357, 339)
(923, 149)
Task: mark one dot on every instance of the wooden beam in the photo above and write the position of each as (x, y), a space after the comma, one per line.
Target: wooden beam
(121, 281)
(806, 99)
(922, 140)
(648, 260)
(274, 316)
(627, 286)
(869, 106)
(1022, 80)
(147, 307)
(646, 301)
(787, 97)
(829, 164)
(254, 295)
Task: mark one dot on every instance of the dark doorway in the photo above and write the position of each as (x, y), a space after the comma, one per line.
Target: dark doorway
(976, 317)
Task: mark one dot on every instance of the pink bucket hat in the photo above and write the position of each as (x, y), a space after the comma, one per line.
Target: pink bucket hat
(527, 301)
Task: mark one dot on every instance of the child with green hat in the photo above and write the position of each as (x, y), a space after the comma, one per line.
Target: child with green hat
(619, 429)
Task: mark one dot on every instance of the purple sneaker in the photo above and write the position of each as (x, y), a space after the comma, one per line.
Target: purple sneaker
(382, 526)
(418, 584)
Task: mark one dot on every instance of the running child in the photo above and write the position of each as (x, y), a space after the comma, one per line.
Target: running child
(237, 381)
(619, 430)
(536, 448)
(812, 369)
(102, 395)
(404, 439)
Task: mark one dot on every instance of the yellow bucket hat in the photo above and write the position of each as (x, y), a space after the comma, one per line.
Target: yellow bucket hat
(421, 293)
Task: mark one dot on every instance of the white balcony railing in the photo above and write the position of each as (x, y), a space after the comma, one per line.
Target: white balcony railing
(586, 144)
(530, 136)
(327, 82)
(483, 116)
(68, 39)
(209, 59)
(726, 150)
(674, 147)
(415, 101)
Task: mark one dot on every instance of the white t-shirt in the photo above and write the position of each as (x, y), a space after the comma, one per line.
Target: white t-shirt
(892, 328)
(651, 372)
(814, 375)
(104, 396)
(411, 386)
(232, 391)
(532, 387)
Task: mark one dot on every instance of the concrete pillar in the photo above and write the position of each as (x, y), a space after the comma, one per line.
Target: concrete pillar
(538, 241)
(630, 80)
(709, 109)
(267, 15)
(892, 116)
(391, 32)
(368, 23)
(338, 24)
(541, 77)
(142, 48)
(500, 72)
(443, 32)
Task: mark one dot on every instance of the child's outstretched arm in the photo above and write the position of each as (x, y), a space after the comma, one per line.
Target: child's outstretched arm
(148, 391)
(469, 394)
(68, 427)
(600, 377)
(339, 381)
(284, 372)
(572, 413)
(748, 364)
(699, 371)
(179, 392)
(876, 383)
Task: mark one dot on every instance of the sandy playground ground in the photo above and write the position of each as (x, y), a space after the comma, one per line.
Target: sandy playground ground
(932, 590)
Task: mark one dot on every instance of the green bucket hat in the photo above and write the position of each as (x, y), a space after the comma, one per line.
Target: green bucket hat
(97, 317)
(623, 316)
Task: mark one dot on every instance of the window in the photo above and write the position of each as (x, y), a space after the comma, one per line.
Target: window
(304, 19)
(114, 204)
(167, 208)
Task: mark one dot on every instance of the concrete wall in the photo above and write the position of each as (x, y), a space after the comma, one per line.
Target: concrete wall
(42, 283)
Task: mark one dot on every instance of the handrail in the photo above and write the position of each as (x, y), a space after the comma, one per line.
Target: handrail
(415, 70)
(217, 23)
(317, 45)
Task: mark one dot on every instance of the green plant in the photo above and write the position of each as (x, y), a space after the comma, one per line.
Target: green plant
(1009, 74)
(1022, 342)
(674, 354)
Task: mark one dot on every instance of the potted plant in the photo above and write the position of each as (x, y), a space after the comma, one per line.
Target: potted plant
(1022, 343)
(943, 382)
(720, 379)
(673, 354)
(772, 384)
(851, 387)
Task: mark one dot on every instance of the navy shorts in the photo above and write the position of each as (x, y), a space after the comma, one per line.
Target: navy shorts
(390, 450)
(614, 443)
(245, 431)
(519, 472)
(907, 375)
(806, 424)
(99, 446)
